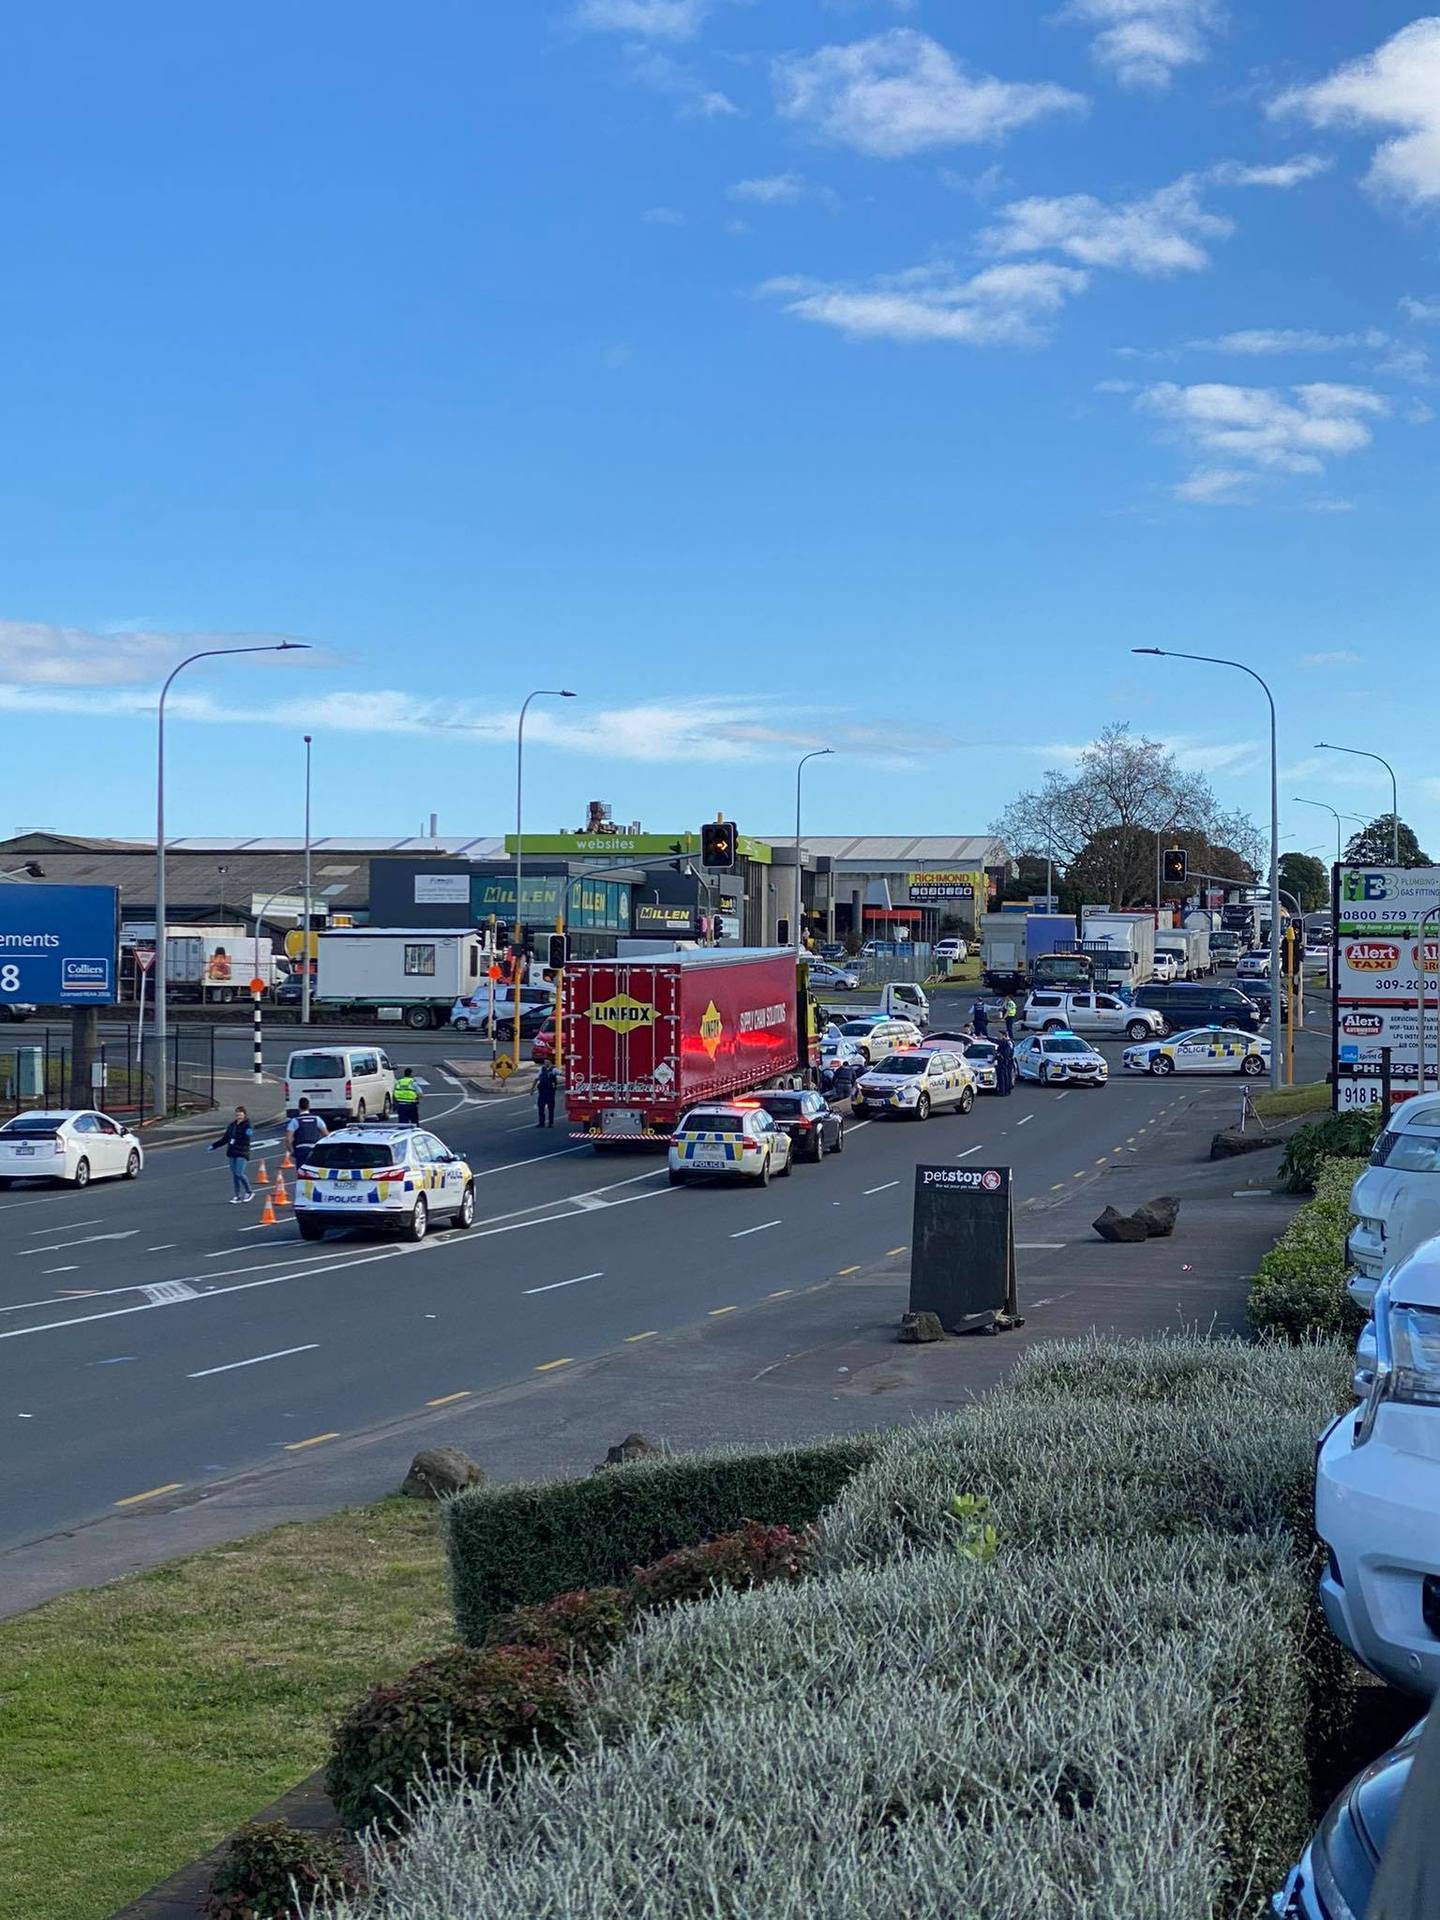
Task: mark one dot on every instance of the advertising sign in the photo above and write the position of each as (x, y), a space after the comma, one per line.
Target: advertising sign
(620, 846)
(1383, 962)
(443, 889)
(962, 1258)
(662, 917)
(944, 884)
(600, 904)
(58, 944)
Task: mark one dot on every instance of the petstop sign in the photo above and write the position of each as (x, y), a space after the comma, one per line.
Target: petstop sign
(58, 945)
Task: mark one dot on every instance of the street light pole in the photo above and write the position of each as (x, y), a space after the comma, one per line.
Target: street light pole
(1212, 660)
(1301, 802)
(305, 934)
(1364, 753)
(161, 1007)
(818, 754)
(554, 693)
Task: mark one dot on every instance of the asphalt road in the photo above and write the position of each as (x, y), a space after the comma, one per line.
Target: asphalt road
(154, 1338)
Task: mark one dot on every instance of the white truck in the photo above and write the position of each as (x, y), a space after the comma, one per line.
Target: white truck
(1129, 941)
(214, 963)
(1191, 948)
(411, 975)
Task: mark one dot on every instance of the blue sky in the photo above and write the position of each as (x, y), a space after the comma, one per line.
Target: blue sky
(872, 374)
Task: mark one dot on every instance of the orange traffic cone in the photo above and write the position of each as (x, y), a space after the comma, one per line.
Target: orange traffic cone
(282, 1198)
(287, 1161)
(262, 1178)
(267, 1213)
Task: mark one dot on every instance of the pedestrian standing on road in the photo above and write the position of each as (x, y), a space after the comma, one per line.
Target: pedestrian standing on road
(1004, 1065)
(844, 1081)
(407, 1098)
(1012, 1014)
(980, 1020)
(545, 1085)
(236, 1142)
(304, 1128)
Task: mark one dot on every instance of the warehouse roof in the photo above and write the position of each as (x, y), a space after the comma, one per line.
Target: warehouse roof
(865, 851)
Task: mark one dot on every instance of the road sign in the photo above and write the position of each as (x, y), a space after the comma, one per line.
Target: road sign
(1386, 959)
(144, 958)
(257, 985)
(962, 1258)
(58, 944)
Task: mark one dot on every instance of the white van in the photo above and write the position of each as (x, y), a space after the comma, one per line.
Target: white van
(341, 1083)
(1396, 1200)
(903, 1000)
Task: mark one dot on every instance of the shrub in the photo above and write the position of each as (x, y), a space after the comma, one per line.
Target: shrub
(1178, 1369)
(587, 1625)
(1299, 1288)
(753, 1556)
(519, 1545)
(1339, 1136)
(273, 1871)
(464, 1711)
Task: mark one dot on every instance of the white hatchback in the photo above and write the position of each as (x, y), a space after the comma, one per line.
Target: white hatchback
(75, 1145)
(400, 1178)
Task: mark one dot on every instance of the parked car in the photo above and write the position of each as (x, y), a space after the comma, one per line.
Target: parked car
(341, 1083)
(813, 1128)
(1201, 1050)
(837, 1050)
(1336, 1873)
(830, 975)
(1258, 991)
(542, 1047)
(1060, 1059)
(289, 991)
(1105, 1015)
(979, 1055)
(16, 1010)
(831, 950)
(952, 947)
(736, 1141)
(1199, 1003)
(471, 1012)
(1396, 1200)
(74, 1145)
(1377, 1487)
(916, 1084)
(400, 1178)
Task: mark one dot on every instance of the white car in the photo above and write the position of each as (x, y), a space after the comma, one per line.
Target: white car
(824, 973)
(1377, 1488)
(737, 1141)
(341, 1083)
(77, 1145)
(1396, 1200)
(1105, 1015)
(837, 1051)
(1060, 1059)
(471, 1012)
(879, 1034)
(1164, 968)
(1254, 964)
(1201, 1050)
(916, 1084)
(399, 1178)
(952, 947)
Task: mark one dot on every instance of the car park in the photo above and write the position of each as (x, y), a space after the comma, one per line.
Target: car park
(1199, 1003)
(814, 1128)
(1253, 964)
(75, 1145)
(729, 1140)
(1060, 1059)
(916, 1084)
(471, 1013)
(1396, 1200)
(879, 1034)
(341, 1083)
(1335, 1877)
(1377, 1487)
(1201, 1050)
(401, 1179)
(833, 977)
(1103, 1015)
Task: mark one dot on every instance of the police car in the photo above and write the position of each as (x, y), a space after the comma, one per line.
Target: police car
(734, 1140)
(378, 1175)
(1201, 1050)
(916, 1084)
(1060, 1059)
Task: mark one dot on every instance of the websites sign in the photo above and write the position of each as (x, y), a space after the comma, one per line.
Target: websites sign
(1387, 965)
(58, 944)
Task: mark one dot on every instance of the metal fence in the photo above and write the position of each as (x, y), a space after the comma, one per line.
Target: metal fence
(36, 1073)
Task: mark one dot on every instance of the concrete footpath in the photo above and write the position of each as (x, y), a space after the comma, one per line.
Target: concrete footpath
(806, 1361)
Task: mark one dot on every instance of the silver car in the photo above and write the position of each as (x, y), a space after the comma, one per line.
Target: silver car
(1060, 1059)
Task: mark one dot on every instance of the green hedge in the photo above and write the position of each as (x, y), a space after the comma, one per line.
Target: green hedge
(1299, 1288)
(1339, 1136)
(517, 1545)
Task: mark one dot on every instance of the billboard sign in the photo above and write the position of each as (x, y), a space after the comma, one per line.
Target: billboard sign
(58, 944)
(1384, 962)
(962, 1258)
(944, 884)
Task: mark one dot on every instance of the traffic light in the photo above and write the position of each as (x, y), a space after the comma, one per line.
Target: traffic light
(1176, 865)
(557, 951)
(717, 846)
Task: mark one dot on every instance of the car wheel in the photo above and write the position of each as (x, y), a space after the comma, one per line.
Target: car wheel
(677, 1178)
(840, 1138)
(417, 1221)
(819, 1153)
(1138, 1030)
(310, 1229)
(789, 1166)
(967, 1100)
(765, 1172)
(1044, 1075)
(465, 1212)
(1161, 1065)
(132, 1165)
(418, 1018)
(82, 1173)
(387, 1112)
(360, 1110)
(922, 1107)
(1253, 1065)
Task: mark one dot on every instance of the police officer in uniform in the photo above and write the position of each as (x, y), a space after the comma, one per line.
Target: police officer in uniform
(407, 1098)
(305, 1129)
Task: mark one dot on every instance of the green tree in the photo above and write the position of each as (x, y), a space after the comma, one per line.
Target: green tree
(1304, 876)
(1372, 846)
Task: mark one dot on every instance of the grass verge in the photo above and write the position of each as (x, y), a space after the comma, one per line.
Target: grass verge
(140, 1722)
(1287, 1103)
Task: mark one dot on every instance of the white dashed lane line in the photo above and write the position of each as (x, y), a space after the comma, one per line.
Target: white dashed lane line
(762, 1228)
(555, 1285)
(74, 1224)
(259, 1360)
(882, 1188)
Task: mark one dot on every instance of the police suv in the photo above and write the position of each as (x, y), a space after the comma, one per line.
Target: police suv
(377, 1175)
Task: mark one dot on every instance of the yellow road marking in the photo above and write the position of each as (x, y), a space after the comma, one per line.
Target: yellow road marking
(631, 1338)
(134, 1499)
(783, 1294)
(447, 1399)
(715, 1312)
(315, 1440)
(549, 1366)
(893, 1251)
(845, 1270)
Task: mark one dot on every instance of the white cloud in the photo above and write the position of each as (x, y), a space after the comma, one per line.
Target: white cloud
(770, 190)
(1001, 305)
(1406, 362)
(901, 92)
(1263, 340)
(663, 217)
(1240, 431)
(1157, 234)
(1277, 173)
(654, 19)
(1424, 312)
(649, 67)
(1328, 505)
(35, 654)
(1142, 42)
(1397, 86)
(1417, 414)
(1332, 657)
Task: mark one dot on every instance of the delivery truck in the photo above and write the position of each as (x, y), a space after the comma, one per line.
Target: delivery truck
(1129, 939)
(645, 1039)
(1191, 948)
(1018, 952)
(213, 963)
(409, 975)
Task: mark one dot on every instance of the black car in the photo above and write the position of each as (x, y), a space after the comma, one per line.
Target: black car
(1200, 1003)
(290, 991)
(1337, 1871)
(1259, 992)
(813, 1128)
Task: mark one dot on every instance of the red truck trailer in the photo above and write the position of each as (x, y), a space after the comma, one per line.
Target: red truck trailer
(642, 1040)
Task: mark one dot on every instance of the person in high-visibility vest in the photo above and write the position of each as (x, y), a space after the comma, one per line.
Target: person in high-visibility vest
(407, 1098)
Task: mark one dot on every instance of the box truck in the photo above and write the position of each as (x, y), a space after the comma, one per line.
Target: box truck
(214, 963)
(412, 975)
(1018, 952)
(1129, 939)
(1191, 948)
(645, 1039)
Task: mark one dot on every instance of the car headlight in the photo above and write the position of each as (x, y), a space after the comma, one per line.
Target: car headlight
(1415, 1346)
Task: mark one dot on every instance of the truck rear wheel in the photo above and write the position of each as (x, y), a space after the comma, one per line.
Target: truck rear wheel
(419, 1018)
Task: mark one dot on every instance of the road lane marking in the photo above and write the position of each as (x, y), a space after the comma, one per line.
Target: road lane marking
(631, 1338)
(1057, 1186)
(45, 1272)
(845, 1270)
(968, 1151)
(715, 1312)
(1103, 1158)
(567, 1283)
(1026, 1121)
(86, 1240)
(166, 1246)
(35, 1232)
(154, 1493)
(782, 1294)
(549, 1366)
(449, 1399)
(854, 1126)
(764, 1227)
(884, 1188)
(1063, 1096)
(315, 1440)
(1039, 1246)
(259, 1360)
(169, 1293)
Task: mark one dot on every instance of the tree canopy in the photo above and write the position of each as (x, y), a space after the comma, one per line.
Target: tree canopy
(1304, 876)
(1372, 846)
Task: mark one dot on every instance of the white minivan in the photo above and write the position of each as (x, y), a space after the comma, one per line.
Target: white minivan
(1396, 1200)
(341, 1083)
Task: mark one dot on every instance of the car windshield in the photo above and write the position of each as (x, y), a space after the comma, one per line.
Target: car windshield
(36, 1126)
(783, 1105)
(903, 1063)
(712, 1123)
(316, 1066)
(981, 1050)
(351, 1154)
(856, 1029)
(1064, 1045)
(1408, 1150)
